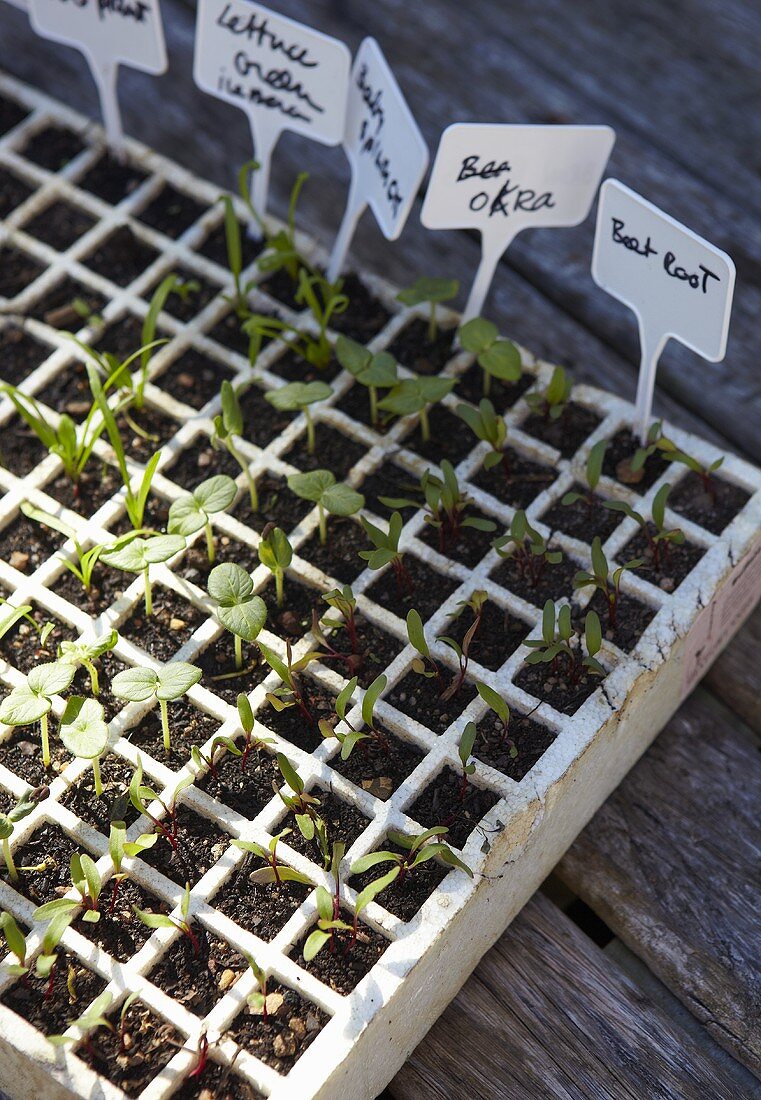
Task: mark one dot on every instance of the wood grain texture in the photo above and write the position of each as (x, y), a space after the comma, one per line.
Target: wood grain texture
(671, 864)
(547, 1014)
(735, 676)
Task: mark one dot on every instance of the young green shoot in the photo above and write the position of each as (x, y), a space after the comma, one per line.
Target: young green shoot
(561, 647)
(246, 716)
(85, 879)
(85, 654)
(445, 505)
(21, 809)
(351, 737)
(298, 397)
(550, 403)
(238, 609)
(167, 684)
(528, 549)
(86, 560)
(375, 372)
(431, 292)
(138, 555)
(488, 426)
(593, 473)
(416, 851)
(276, 554)
(417, 395)
(303, 806)
(659, 537)
(170, 284)
(344, 602)
(273, 872)
(262, 1002)
(46, 959)
(32, 701)
(426, 665)
(12, 615)
(496, 357)
(605, 581)
(501, 710)
(84, 732)
(119, 848)
(289, 692)
(141, 796)
(331, 497)
(71, 443)
(182, 921)
(94, 1018)
(465, 751)
(657, 441)
(281, 253)
(386, 552)
(192, 512)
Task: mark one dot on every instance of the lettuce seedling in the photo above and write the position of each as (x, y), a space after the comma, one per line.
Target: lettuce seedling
(593, 472)
(417, 851)
(289, 692)
(238, 609)
(331, 496)
(227, 426)
(496, 357)
(181, 922)
(22, 808)
(274, 871)
(84, 653)
(559, 644)
(297, 397)
(31, 701)
(607, 582)
(276, 554)
(550, 403)
(84, 732)
(84, 566)
(500, 708)
(141, 795)
(528, 549)
(303, 806)
(430, 292)
(190, 513)
(138, 555)
(445, 505)
(85, 878)
(71, 443)
(659, 537)
(45, 962)
(386, 552)
(167, 683)
(489, 427)
(371, 730)
(376, 372)
(416, 395)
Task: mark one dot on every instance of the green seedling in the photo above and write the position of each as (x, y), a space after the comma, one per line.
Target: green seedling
(85, 878)
(416, 850)
(489, 427)
(386, 552)
(85, 654)
(281, 252)
(119, 848)
(376, 372)
(22, 808)
(331, 497)
(12, 615)
(289, 692)
(426, 665)
(323, 300)
(241, 291)
(167, 684)
(95, 1018)
(138, 555)
(84, 566)
(550, 403)
(593, 473)
(298, 397)
(416, 395)
(88, 316)
(344, 602)
(44, 964)
(445, 505)
(31, 701)
(84, 732)
(238, 609)
(276, 554)
(170, 284)
(274, 871)
(262, 1002)
(561, 646)
(141, 795)
(657, 441)
(501, 710)
(496, 357)
(350, 738)
(246, 716)
(303, 806)
(465, 751)
(659, 537)
(430, 292)
(228, 426)
(192, 512)
(181, 922)
(71, 443)
(605, 581)
(528, 549)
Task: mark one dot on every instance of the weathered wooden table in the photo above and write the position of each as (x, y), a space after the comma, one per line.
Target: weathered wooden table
(634, 972)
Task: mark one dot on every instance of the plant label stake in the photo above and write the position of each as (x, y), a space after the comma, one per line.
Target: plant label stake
(109, 33)
(385, 148)
(283, 74)
(676, 283)
(500, 179)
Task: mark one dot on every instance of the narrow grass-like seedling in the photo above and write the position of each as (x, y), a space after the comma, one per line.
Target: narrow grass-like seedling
(84, 566)
(12, 615)
(84, 653)
(331, 496)
(593, 472)
(31, 701)
(386, 552)
(431, 292)
(274, 871)
(138, 555)
(170, 284)
(303, 806)
(84, 732)
(298, 397)
(417, 850)
(417, 395)
(550, 402)
(141, 795)
(167, 684)
(659, 537)
(445, 505)
(85, 879)
(605, 581)
(375, 372)
(281, 253)
(370, 727)
(497, 358)
(190, 513)
(276, 554)
(323, 300)
(71, 443)
(528, 549)
(22, 808)
(238, 609)
(228, 425)
(489, 427)
(560, 646)
(500, 708)
(181, 922)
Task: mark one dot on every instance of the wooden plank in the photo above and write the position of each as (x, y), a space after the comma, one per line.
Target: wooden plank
(734, 677)
(547, 1014)
(671, 863)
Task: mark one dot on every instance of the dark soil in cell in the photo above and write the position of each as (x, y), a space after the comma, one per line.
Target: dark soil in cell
(53, 1011)
(193, 378)
(188, 726)
(356, 404)
(277, 504)
(618, 454)
(293, 368)
(567, 433)
(107, 667)
(97, 484)
(345, 967)
(198, 461)
(450, 437)
(520, 484)
(68, 392)
(21, 753)
(499, 634)
(199, 845)
(514, 756)
(632, 619)
(120, 931)
(554, 582)
(20, 354)
(21, 647)
(192, 976)
(53, 147)
(429, 589)
(56, 306)
(262, 421)
(172, 211)
(503, 395)
(584, 518)
(294, 618)
(18, 270)
(379, 767)
(263, 910)
(406, 894)
(121, 257)
(556, 688)
(13, 191)
(123, 337)
(228, 332)
(60, 225)
(156, 428)
(413, 349)
(333, 451)
(713, 510)
(169, 626)
(247, 790)
(195, 565)
(25, 545)
(374, 653)
(154, 518)
(674, 563)
(11, 113)
(153, 1043)
(365, 316)
(216, 1082)
(111, 179)
(338, 557)
(20, 449)
(282, 1038)
(107, 586)
(188, 304)
(48, 847)
(444, 802)
(418, 696)
(282, 288)
(214, 246)
(219, 673)
(389, 481)
(112, 805)
(292, 724)
(344, 822)
(470, 545)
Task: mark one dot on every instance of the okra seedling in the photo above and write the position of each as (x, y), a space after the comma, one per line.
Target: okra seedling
(22, 808)
(84, 566)
(31, 701)
(138, 555)
(95, 1018)
(84, 732)
(489, 427)
(238, 609)
(190, 513)
(297, 397)
(167, 683)
(528, 549)
(593, 472)
(84, 653)
(386, 552)
(445, 505)
(274, 871)
(417, 850)
(500, 708)
(85, 878)
(17, 945)
(607, 582)
(141, 795)
(659, 537)
(416, 395)
(303, 806)
(181, 922)
(331, 496)
(561, 647)
(431, 292)
(550, 403)
(376, 372)
(228, 426)
(349, 740)
(276, 554)
(71, 443)
(497, 358)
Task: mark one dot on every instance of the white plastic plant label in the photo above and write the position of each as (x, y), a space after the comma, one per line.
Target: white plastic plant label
(386, 151)
(283, 74)
(676, 283)
(109, 33)
(500, 179)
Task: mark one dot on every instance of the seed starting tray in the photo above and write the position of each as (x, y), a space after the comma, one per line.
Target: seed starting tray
(530, 821)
